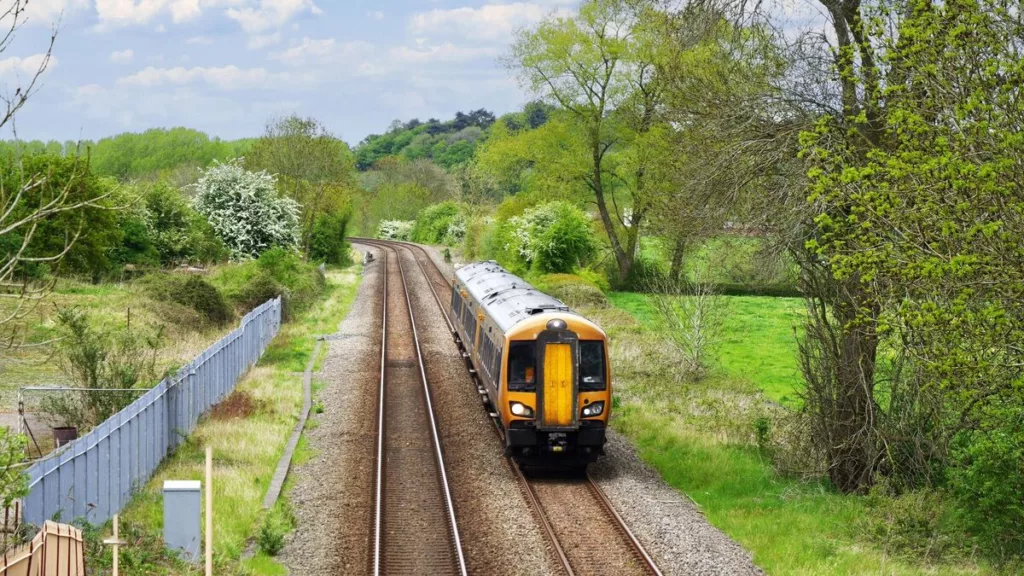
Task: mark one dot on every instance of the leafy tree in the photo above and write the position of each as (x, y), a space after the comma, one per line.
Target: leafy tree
(327, 243)
(598, 66)
(179, 233)
(312, 166)
(246, 211)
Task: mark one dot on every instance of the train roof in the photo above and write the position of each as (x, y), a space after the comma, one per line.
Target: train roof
(507, 298)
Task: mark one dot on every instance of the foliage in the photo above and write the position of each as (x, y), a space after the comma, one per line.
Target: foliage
(312, 167)
(692, 315)
(104, 364)
(550, 238)
(277, 272)
(449, 144)
(442, 223)
(327, 242)
(246, 211)
(395, 230)
(276, 523)
(192, 291)
(178, 232)
(85, 236)
(13, 483)
(574, 290)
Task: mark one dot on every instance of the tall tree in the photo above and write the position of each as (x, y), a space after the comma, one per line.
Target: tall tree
(598, 68)
(313, 167)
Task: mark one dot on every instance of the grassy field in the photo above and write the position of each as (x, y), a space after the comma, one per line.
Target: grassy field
(108, 305)
(701, 437)
(758, 340)
(248, 432)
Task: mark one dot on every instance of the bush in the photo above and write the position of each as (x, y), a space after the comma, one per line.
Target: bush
(327, 242)
(191, 291)
(178, 232)
(273, 528)
(988, 484)
(550, 238)
(575, 291)
(246, 211)
(441, 223)
(646, 272)
(919, 523)
(277, 272)
(394, 230)
(99, 362)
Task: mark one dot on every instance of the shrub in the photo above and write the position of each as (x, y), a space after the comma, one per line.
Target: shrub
(191, 291)
(277, 522)
(551, 238)
(919, 523)
(575, 291)
(394, 230)
(277, 272)
(178, 232)
(327, 241)
(246, 211)
(988, 484)
(441, 223)
(99, 362)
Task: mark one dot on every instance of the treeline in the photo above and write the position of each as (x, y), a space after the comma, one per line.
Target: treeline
(448, 144)
(150, 154)
(886, 171)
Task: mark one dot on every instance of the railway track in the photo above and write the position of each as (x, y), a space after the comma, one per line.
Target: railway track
(414, 525)
(586, 534)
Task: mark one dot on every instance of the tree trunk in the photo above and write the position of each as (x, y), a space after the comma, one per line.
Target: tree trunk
(623, 259)
(676, 268)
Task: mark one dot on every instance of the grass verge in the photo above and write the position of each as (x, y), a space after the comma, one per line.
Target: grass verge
(247, 444)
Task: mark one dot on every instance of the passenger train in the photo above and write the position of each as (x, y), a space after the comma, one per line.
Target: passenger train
(543, 368)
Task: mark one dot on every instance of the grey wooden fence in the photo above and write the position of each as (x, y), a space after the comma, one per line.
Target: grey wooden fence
(95, 476)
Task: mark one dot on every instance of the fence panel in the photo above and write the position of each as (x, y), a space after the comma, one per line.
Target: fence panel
(94, 477)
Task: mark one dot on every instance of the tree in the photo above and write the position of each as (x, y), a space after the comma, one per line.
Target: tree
(312, 166)
(246, 211)
(597, 66)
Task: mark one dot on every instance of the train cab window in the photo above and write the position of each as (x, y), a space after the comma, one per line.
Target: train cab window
(592, 365)
(522, 366)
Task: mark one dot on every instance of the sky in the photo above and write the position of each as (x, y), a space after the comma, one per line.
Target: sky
(227, 66)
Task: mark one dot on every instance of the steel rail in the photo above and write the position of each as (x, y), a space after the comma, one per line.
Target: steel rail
(379, 498)
(435, 436)
(528, 490)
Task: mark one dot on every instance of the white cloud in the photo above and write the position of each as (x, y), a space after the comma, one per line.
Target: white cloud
(25, 67)
(493, 22)
(223, 78)
(329, 51)
(259, 42)
(122, 56)
(375, 14)
(48, 11)
(199, 41)
(270, 14)
(446, 52)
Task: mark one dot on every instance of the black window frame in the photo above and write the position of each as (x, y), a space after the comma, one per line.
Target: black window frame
(583, 373)
(522, 385)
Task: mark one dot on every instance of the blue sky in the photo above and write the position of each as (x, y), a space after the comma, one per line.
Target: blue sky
(226, 66)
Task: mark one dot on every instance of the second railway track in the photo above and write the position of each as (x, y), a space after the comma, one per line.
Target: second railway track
(586, 533)
(414, 525)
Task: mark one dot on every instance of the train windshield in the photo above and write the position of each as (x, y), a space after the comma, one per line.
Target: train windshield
(522, 366)
(591, 365)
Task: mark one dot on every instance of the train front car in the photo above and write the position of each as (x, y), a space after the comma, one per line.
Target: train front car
(543, 367)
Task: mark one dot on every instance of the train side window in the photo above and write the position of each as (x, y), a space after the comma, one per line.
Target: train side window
(522, 365)
(456, 302)
(496, 366)
(592, 365)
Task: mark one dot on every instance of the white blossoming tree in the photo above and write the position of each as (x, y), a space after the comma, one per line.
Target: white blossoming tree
(245, 209)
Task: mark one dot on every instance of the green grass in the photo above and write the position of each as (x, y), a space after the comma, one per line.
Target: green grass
(246, 450)
(757, 344)
(791, 527)
(700, 437)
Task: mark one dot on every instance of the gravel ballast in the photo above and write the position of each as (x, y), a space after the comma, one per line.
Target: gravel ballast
(331, 495)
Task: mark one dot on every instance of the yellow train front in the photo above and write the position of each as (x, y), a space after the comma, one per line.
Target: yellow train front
(540, 366)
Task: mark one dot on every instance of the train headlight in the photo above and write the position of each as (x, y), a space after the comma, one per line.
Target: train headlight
(593, 409)
(520, 409)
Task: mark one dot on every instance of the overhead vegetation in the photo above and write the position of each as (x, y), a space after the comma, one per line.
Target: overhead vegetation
(448, 144)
